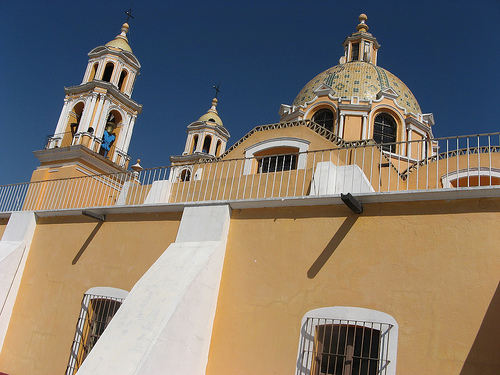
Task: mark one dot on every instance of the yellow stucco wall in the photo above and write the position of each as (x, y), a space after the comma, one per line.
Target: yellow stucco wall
(70, 255)
(3, 225)
(353, 128)
(433, 266)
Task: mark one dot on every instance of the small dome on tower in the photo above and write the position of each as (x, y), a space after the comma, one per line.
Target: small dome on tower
(121, 40)
(212, 115)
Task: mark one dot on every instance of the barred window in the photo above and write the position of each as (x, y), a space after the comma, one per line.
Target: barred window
(277, 163)
(344, 348)
(333, 345)
(384, 131)
(325, 118)
(99, 305)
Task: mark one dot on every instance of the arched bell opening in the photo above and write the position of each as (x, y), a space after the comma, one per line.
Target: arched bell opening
(207, 143)
(93, 72)
(74, 118)
(194, 144)
(110, 134)
(218, 148)
(108, 72)
(122, 81)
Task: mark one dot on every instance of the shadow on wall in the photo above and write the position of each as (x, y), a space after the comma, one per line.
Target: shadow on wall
(332, 245)
(484, 355)
(86, 244)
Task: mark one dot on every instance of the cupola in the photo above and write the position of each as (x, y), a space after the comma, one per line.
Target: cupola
(361, 45)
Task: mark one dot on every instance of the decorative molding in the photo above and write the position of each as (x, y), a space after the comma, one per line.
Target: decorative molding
(88, 87)
(301, 144)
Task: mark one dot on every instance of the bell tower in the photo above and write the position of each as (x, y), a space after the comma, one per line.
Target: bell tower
(94, 129)
(206, 139)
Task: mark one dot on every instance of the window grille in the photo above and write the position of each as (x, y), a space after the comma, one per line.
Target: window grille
(95, 315)
(277, 163)
(344, 347)
(384, 131)
(325, 118)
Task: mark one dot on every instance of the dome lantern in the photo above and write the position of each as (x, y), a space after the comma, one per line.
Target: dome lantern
(361, 45)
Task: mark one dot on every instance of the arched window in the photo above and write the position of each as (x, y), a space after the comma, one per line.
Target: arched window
(108, 72)
(195, 143)
(185, 175)
(93, 71)
(121, 82)
(325, 118)
(206, 144)
(384, 131)
(347, 340)
(99, 305)
(217, 149)
(110, 135)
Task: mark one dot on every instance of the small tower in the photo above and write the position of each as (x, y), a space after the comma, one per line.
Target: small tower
(361, 45)
(206, 139)
(97, 119)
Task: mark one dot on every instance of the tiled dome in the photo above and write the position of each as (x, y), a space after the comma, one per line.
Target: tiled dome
(360, 79)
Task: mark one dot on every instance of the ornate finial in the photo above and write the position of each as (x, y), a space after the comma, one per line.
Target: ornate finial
(125, 28)
(137, 166)
(362, 27)
(216, 87)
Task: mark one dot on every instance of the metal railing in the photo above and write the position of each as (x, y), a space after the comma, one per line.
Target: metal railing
(453, 163)
(88, 140)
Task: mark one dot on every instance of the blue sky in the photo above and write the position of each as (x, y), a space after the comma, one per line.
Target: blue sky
(262, 52)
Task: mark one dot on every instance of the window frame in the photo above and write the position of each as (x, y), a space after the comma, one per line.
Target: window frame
(277, 163)
(354, 316)
(322, 122)
(252, 151)
(81, 334)
(380, 136)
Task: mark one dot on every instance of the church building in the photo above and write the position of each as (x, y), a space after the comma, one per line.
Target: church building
(343, 239)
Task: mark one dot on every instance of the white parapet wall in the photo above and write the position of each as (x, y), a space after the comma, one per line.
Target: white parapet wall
(14, 249)
(165, 324)
(330, 179)
(159, 193)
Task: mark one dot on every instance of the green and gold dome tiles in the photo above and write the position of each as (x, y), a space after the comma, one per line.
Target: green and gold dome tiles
(360, 79)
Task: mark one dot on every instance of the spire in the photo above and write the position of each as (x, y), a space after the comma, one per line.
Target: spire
(212, 114)
(121, 40)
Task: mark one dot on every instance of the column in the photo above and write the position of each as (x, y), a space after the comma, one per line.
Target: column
(88, 112)
(101, 124)
(130, 130)
(341, 126)
(363, 131)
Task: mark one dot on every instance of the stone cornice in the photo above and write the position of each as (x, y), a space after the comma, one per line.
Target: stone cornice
(127, 56)
(56, 156)
(355, 107)
(197, 125)
(188, 159)
(361, 36)
(110, 89)
(415, 124)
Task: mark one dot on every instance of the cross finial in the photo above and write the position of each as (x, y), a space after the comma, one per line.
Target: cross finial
(216, 87)
(129, 13)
